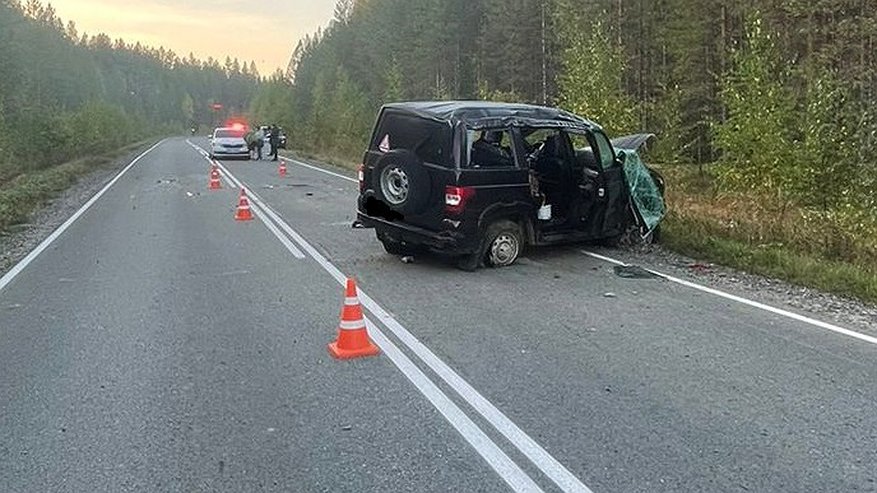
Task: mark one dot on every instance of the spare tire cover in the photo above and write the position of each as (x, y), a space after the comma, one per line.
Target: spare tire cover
(401, 181)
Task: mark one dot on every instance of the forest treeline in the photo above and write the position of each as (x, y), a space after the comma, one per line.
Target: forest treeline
(66, 94)
(773, 97)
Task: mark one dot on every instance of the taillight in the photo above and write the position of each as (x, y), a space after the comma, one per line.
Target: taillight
(456, 199)
(360, 174)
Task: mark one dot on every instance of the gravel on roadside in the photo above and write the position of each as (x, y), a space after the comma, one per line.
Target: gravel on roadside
(846, 312)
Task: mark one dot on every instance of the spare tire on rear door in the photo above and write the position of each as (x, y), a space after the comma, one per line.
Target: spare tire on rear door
(402, 182)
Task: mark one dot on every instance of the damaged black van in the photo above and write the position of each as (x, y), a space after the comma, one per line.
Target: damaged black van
(483, 180)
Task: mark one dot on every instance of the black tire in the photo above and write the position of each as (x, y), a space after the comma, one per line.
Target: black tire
(487, 253)
(401, 181)
(504, 243)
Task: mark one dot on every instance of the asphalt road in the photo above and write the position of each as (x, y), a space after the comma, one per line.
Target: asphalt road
(158, 345)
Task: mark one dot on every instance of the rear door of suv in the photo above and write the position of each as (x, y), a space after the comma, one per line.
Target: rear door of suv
(432, 142)
(494, 178)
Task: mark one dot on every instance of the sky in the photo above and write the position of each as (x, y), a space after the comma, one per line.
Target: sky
(264, 31)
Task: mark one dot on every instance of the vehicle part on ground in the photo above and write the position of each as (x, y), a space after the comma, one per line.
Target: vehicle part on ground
(633, 272)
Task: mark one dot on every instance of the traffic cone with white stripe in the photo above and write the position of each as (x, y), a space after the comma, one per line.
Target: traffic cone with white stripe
(282, 168)
(243, 213)
(353, 340)
(215, 182)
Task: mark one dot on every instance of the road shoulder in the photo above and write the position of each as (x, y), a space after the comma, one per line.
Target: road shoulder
(16, 243)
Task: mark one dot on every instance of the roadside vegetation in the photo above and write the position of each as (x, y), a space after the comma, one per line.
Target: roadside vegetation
(68, 97)
(766, 112)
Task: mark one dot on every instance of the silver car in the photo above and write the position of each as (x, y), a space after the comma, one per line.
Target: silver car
(229, 142)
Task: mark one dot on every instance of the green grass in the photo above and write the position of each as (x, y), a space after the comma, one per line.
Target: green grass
(765, 239)
(698, 238)
(22, 196)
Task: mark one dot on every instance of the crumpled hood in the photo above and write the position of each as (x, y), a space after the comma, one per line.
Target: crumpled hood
(632, 142)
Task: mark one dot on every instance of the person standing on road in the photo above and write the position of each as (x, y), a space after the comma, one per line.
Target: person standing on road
(275, 141)
(259, 138)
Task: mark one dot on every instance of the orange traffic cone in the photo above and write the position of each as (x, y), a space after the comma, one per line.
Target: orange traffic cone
(353, 341)
(243, 213)
(282, 169)
(215, 182)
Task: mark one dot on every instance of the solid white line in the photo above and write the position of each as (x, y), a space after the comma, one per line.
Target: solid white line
(738, 299)
(280, 236)
(20, 266)
(516, 478)
(523, 442)
(206, 156)
(321, 170)
(748, 302)
(495, 457)
(271, 227)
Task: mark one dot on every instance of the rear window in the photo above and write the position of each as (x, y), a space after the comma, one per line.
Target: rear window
(228, 133)
(431, 141)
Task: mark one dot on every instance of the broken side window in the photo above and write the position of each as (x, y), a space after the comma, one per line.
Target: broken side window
(432, 141)
(604, 149)
(490, 149)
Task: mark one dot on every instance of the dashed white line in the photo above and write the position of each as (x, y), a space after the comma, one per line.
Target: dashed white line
(20, 266)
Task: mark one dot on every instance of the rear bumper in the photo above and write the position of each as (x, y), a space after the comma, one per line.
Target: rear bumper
(448, 242)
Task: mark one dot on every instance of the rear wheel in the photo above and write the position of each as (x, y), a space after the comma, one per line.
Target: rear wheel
(505, 242)
(500, 246)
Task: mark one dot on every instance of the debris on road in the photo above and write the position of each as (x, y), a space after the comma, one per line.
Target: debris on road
(357, 225)
(408, 259)
(633, 272)
(610, 295)
(700, 268)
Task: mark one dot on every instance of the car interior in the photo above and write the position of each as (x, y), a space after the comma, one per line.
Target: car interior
(566, 175)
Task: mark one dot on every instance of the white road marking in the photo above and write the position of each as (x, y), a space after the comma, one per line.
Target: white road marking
(510, 472)
(20, 266)
(321, 170)
(280, 236)
(206, 156)
(271, 227)
(532, 450)
(748, 302)
(705, 289)
(516, 478)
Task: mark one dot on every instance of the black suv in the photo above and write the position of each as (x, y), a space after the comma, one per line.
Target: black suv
(482, 180)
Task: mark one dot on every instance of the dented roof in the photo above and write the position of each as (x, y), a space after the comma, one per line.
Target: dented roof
(485, 114)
